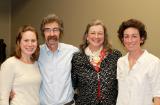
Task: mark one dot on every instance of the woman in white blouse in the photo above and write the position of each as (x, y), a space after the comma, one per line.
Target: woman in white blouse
(138, 72)
(20, 72)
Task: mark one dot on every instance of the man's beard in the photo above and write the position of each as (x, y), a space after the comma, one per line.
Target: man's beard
(51, 40)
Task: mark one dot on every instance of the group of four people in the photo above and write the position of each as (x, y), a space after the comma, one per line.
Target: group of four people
(95, 72)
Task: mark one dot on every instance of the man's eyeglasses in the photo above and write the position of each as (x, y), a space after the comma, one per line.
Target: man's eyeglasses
(49, 30)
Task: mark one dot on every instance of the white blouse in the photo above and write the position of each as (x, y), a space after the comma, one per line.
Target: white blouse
(138, 86)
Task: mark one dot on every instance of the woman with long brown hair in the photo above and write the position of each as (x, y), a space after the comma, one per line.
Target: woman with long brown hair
(20, 72)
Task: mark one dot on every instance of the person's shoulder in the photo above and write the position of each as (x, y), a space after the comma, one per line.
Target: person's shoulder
(78, 56)
(78, 53)
(152, 57)
(69, 47)
(123, 58)
(42, 46)
(116, 52)
(9, 61)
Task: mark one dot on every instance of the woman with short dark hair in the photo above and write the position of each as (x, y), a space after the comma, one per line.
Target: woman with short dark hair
(138, 72)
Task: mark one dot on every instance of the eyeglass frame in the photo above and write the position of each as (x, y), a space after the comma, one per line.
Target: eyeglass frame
(49, 30)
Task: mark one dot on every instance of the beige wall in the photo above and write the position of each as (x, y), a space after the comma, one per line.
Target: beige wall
(5, 23)
(77, 13)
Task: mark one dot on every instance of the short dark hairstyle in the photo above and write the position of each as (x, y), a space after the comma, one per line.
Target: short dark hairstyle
(21, 30)
(50, 19)
(106, 43)
(135, 24)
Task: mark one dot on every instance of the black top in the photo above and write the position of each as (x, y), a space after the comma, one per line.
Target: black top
(85, 79)
(2, 51)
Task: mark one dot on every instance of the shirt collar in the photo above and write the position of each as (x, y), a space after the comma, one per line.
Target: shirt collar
(141, 59)
(49, 51)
